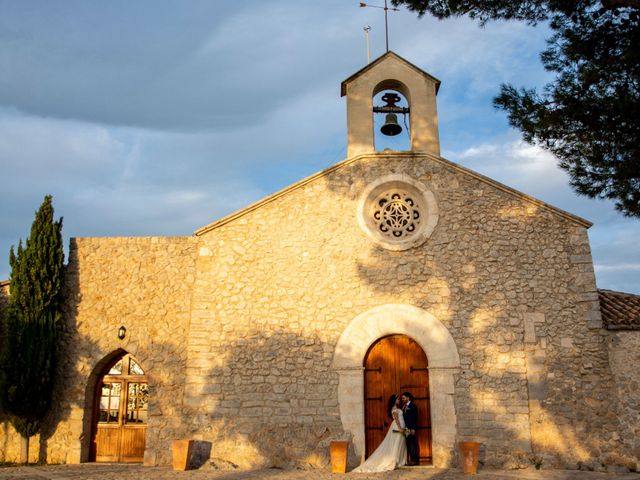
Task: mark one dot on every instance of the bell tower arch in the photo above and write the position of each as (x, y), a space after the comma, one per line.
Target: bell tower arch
(390, 71)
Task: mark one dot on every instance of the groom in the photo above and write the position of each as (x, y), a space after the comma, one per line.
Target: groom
(411, 422)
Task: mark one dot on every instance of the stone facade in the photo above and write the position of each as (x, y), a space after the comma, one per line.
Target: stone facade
(624, 357)
(253, 331)
(508, 278)
(237, 327)
(144, 284)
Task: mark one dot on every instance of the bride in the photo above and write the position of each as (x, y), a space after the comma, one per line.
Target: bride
(392, 452)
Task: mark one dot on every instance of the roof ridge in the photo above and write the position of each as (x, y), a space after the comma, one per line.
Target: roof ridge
(618, 292)
(369, 66)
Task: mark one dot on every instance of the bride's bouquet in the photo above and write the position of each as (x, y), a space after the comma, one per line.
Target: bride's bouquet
(405, 432)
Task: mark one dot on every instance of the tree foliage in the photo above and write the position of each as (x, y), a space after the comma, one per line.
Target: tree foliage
(589, 117)
(28, 358)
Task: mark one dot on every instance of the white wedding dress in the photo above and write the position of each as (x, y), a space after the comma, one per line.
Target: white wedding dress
(391, 453)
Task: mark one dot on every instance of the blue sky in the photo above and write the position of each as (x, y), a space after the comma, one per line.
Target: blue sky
(157, 117)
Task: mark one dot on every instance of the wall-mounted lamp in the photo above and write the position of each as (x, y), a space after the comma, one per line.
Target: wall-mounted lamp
(122, 332)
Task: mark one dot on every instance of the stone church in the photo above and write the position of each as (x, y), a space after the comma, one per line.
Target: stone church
(288, 324)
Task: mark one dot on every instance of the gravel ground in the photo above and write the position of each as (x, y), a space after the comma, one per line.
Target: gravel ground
(104, 471)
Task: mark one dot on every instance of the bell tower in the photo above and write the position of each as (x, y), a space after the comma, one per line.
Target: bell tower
(394, 73)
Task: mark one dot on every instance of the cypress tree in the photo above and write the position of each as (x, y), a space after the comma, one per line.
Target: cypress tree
(28, 357)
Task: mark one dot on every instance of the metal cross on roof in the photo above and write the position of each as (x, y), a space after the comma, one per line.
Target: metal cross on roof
(386, 23)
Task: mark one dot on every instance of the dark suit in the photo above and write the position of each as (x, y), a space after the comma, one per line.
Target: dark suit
(411, 422)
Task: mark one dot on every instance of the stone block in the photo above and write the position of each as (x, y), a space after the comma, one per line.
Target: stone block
(581, 259)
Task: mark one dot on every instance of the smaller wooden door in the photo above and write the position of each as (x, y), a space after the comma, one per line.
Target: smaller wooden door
(120, 413)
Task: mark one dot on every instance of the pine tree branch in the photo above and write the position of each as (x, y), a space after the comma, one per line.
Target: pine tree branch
(611, 4)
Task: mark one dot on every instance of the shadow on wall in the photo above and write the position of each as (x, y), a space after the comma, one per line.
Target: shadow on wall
(57, 440)
(162, 360)
(264, 396)
(61, 408)
(492, 388)
(486, 265)
(268, 399)
(163, 364)
(10, 448)
(86, 347)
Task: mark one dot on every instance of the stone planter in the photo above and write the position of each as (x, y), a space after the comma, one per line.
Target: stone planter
(339, 451)
(469, 452)
(181, 454)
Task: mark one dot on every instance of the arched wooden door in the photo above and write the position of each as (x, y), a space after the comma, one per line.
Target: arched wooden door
(396, 364)
(120, 413)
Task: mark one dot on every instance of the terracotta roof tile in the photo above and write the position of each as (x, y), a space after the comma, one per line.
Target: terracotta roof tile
(620, 311)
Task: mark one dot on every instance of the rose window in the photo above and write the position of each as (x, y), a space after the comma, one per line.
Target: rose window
(396, 214)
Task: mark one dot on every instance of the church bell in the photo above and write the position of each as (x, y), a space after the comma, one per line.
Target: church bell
(391, 127)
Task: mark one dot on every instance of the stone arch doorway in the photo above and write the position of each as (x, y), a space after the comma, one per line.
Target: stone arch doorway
(438, 345)
(395, 364)
(120, 412)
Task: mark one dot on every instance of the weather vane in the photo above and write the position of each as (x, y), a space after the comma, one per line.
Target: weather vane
(386, 23)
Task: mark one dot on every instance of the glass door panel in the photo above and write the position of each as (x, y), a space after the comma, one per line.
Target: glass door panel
(137, 403)
(109, 410)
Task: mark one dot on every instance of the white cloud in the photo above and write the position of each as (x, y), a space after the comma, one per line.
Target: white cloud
(520, 165)
(108, 181)
(627, 267)
(27, 144)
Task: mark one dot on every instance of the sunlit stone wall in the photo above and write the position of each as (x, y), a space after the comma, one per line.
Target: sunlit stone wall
(237, 328)
(511, 280)
(624, 354)
(144, 284)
